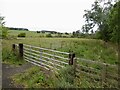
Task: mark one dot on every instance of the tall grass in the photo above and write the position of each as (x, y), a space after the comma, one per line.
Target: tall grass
(84, 48)
(32, 78)
(8, 56)
(64, 78)
(35, 78)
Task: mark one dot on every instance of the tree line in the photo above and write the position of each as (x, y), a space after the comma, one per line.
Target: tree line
(12, 28)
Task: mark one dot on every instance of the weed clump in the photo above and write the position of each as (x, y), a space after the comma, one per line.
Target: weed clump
(65, 78)
(10, 57)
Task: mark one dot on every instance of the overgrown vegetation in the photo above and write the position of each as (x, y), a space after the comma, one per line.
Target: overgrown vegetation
(3, 30)
(64, 78)
(33, 78)
(92, 49)
(36, 78)
(8, 56)
(11, 58)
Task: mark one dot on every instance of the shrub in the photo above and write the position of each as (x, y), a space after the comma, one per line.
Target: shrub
(48, 35)
(3, 32)
(22, 35)
(66, 33)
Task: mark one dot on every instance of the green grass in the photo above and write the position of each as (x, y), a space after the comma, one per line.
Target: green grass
(14, 33)
(83, 48)
(37, 78)
(91, 49)
(32, 78)
(9, 57)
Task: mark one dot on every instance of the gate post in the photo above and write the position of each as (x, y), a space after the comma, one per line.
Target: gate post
(13, 48)
(21, 50)
(71, 58)
(72, 62)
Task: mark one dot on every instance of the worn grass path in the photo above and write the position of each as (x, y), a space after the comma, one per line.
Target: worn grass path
(10, 70)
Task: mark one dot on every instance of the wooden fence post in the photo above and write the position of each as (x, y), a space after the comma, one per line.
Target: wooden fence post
(21, 50)
(71, 58)
(13, 48)
(72, 62)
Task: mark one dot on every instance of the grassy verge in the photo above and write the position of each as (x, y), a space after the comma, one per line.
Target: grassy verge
(33, 78)
(9, 57)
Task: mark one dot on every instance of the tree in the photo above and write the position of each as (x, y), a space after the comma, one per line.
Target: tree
(59, 34)
(2, 21)
(98, 16)
(76, 33)
(114, 22)
(3, 30)
(66, 33)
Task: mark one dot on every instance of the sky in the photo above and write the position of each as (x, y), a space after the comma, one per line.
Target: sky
(37, 15)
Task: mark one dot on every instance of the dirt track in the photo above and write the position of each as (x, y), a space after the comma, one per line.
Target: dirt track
(8, 71)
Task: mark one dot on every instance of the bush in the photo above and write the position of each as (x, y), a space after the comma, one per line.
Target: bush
(22, 35)
(3, 32)
(48, 35)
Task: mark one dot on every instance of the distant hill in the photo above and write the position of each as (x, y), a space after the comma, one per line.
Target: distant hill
(12, 28)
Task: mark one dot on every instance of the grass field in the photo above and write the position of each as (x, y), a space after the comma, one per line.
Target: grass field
(83, 48)
(14, 33)
(92, 49)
